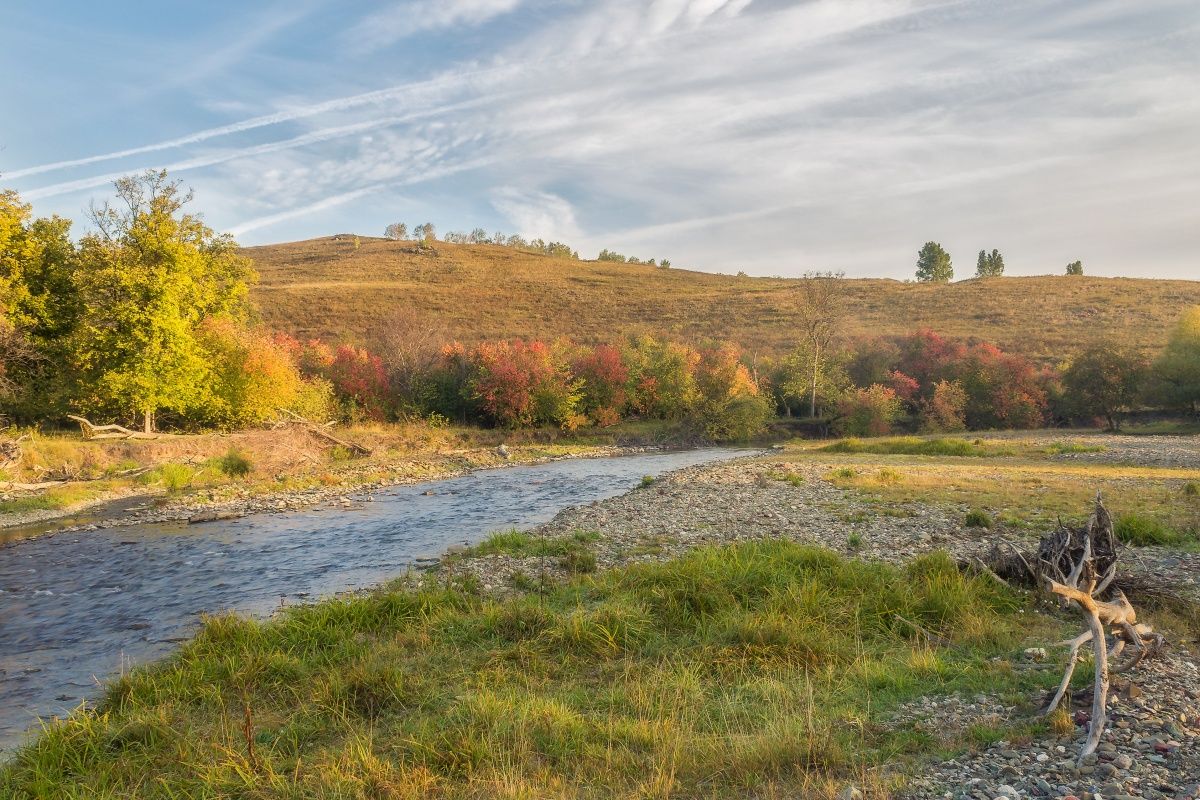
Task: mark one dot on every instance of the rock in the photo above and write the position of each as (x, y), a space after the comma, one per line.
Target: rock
(1123, 761)
(1036, 654)
(1006, 791)
(503, 452)
(850, 793)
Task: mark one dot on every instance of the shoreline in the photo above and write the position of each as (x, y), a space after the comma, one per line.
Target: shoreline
(147, 507)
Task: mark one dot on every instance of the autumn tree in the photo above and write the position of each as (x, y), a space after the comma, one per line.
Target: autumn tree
(1176, 373)
(1103, 381)
(397, 231)
(411, 346)
(148, 275)
(933, 264)
(819, 300)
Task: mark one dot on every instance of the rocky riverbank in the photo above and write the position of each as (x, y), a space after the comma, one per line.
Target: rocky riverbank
(231, 502)
(1153, 749)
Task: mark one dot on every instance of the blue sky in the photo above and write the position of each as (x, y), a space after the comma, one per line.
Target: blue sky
(770, 136)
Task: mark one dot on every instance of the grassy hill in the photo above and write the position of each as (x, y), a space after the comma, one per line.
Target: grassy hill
(340, 291)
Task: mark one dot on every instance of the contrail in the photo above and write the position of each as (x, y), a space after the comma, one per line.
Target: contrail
(338, 104)
(314, 137)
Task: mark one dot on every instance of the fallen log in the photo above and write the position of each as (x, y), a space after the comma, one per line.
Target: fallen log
(91, 431)
(321, 431)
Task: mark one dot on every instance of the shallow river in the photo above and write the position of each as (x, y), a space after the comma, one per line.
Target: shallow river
(78, 607)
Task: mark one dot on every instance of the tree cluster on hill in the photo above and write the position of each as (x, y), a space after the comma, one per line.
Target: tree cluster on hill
(935, 266)
(147, 320)
(398, 231)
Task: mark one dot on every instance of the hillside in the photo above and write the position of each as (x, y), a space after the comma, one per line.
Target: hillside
(332, 289)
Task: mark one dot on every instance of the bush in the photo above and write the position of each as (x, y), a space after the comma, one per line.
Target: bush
(1191, 489)
(736, 419)
(235, 464)
(978, 518)
(578, 561)
(647, 480)
(175, 477)
(1141, 530)
(868, 412)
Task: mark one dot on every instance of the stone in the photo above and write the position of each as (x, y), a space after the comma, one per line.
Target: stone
(1006, 791)
(850, 793)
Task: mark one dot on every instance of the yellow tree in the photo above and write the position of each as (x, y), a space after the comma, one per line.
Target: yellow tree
(147, 277)
(1177, 370)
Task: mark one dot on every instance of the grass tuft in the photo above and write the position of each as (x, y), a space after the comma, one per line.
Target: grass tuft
(917, 446)
(978, 518)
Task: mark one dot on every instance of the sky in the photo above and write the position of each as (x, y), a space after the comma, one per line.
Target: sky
(766, 136)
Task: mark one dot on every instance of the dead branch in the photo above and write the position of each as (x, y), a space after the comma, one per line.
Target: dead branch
(91, 431)
(1069, 561)
(321, 431)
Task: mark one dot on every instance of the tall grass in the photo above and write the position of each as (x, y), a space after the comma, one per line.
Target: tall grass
(754, 668)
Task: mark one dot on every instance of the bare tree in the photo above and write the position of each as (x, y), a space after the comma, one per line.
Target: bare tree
(820, 297)
(397, 231)
(411, 344)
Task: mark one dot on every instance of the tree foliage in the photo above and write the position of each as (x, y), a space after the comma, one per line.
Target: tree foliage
(1176, 376)
(1075, 268)
(933, 264)
(989, 265)
(1103, 381)
(146, 279)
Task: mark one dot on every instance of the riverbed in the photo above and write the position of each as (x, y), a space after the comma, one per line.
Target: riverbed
(76, 608)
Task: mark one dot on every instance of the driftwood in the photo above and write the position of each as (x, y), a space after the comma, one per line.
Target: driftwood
(91, 431)
(1079, 565)
(321, 431)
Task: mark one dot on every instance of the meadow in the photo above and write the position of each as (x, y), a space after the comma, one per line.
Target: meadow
(348, 288)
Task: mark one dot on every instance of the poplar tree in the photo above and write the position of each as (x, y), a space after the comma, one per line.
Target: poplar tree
(933, 264)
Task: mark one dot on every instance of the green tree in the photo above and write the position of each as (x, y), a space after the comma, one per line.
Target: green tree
(148, 276)
(1176, 373)
(1075, 268)
(1103, 381)
(989, 265)
(819, 302)
(933, 264)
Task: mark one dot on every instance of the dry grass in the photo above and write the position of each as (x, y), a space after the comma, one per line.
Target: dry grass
(1020, 486)
(327, 288)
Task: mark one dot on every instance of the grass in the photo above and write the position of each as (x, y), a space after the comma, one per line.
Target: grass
(1029, 491)
(757, 669)
(647, 480)
(790, 478)
(918, 446)
(327, 288)
(1058, 448)
(1141, 530)
(522, 544)
(978, 518)
(55, 499)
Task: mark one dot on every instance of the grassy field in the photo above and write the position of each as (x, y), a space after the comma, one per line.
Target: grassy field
(761, 669)
(333, 289)
(1018, 483)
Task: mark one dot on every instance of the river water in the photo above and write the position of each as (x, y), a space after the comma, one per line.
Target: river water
(76, 608)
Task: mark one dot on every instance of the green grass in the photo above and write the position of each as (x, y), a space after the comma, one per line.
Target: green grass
(917, 446)
(790, 478)
(523, 544)
(1058, 448)
(647, 480)
(1141, 530)
(758, 669)
(235, 463)
(55, 499)
(978, 518)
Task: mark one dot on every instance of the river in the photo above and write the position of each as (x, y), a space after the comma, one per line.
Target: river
(76, 608)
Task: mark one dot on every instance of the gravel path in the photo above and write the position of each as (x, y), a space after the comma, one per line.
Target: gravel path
(1153, 749)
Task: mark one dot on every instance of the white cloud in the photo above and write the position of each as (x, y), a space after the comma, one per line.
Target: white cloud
(537, 214)
(774, 137)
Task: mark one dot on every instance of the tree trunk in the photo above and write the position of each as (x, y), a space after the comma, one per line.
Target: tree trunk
(148, 421)
(812, 408)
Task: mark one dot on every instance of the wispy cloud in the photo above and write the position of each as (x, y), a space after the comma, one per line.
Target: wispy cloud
(403, 20)
(770, 136)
